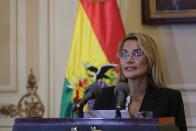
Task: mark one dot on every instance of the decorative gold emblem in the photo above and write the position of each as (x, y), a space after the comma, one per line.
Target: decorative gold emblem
(10, 110)
(29, 105)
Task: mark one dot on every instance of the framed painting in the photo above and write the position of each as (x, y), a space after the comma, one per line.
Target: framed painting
(168, 11)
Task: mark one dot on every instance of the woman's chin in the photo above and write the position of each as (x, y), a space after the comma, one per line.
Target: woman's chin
(131, 77)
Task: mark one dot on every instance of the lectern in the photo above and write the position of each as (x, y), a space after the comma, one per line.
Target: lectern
(94, 124)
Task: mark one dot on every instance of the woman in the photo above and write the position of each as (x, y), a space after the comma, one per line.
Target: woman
(141, 68)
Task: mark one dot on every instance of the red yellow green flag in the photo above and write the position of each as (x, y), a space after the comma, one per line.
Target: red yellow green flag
(97, 33)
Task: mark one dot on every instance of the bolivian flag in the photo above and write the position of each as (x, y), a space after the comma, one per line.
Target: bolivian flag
(97, 33)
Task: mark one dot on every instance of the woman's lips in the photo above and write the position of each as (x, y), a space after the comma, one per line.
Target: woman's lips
(129, 68)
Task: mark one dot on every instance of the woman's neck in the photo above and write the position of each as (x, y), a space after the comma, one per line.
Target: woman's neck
(137, 86)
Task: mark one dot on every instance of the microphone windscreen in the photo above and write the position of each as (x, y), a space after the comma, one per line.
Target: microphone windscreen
(121, 87)
(95, 89)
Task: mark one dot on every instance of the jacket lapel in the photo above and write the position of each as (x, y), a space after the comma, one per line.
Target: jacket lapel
(150, 100)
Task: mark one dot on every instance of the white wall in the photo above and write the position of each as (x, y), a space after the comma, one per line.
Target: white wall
(62, 23)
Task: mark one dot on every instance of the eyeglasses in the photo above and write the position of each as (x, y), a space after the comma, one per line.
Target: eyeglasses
(135, 53)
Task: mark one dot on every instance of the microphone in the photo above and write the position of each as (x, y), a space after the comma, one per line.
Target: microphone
(91, 92)
(120, 92)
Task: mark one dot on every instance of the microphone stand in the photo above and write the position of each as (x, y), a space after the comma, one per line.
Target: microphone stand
(118, 113)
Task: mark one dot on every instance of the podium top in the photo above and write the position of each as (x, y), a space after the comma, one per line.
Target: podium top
(87, 124)
(123, 121)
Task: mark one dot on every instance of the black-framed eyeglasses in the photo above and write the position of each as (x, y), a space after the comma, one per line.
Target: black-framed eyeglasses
(135, 53)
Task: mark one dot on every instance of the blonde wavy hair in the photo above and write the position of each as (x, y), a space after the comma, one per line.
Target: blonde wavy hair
(152, 53)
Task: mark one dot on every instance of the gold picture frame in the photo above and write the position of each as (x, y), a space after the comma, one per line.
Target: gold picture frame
(168, 11)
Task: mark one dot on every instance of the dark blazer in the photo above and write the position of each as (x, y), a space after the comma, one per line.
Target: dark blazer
(163, 102)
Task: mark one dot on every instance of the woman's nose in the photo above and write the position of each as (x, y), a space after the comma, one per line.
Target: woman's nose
(130, 58)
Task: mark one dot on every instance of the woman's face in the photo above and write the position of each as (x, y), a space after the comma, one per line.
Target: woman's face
(133, 62)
